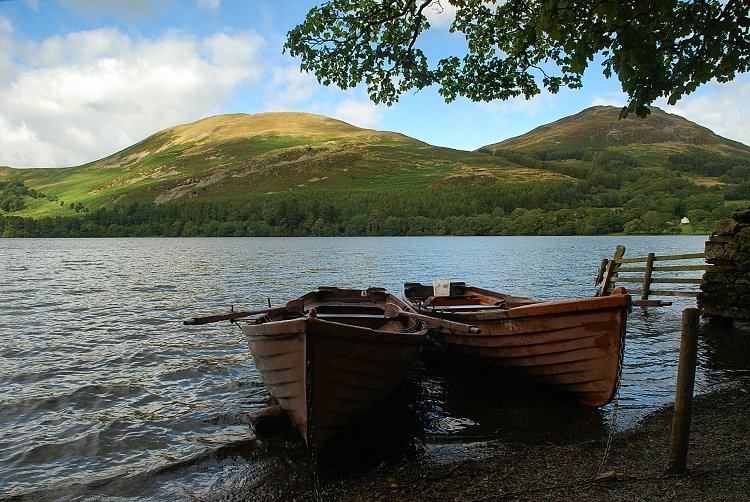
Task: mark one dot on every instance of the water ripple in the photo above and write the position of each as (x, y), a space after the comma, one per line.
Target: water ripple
(103, 392)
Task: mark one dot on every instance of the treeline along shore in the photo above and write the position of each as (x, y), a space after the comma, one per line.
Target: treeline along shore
(531, 209)
(557, 207)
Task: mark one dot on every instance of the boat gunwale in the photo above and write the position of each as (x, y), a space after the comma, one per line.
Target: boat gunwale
(270, 329)
(537, 309)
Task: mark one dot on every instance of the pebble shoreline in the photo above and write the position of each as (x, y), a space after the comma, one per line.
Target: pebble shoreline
(718, 462)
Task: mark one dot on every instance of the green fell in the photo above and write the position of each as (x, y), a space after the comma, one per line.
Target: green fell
(236, 156)
(304, 174)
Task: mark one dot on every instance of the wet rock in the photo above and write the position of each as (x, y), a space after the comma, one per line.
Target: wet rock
(270, 420)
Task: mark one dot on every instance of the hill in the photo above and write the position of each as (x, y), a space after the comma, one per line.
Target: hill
(304, 174)
(597, 128)
(233, 156)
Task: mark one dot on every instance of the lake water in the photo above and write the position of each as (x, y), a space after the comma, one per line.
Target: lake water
(105, 394)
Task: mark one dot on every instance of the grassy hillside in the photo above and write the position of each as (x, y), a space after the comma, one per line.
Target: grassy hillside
(303, 174)
(651, 141)
(234, 156)
(594, 145)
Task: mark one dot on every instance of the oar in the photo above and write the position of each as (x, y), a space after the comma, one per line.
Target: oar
(434, 322)
(229, 316)
(443, 323)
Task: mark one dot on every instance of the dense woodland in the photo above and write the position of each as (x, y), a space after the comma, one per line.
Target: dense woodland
(609, 194)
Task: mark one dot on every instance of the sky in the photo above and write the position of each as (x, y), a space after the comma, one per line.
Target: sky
(83, 79)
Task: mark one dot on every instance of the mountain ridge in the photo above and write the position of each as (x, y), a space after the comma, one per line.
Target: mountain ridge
(226, 156)
(663, 167)
(598, 127)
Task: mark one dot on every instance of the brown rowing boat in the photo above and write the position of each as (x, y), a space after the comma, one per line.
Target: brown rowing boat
(332, 354)
(573, 345)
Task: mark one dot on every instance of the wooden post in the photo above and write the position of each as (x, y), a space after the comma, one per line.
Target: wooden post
(684, 395)
(647, 276)
(602, 268)
(611, 274)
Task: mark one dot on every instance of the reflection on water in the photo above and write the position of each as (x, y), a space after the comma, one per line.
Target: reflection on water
(103, 393)
(725, 354)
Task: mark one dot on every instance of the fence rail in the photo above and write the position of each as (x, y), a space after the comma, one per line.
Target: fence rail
(610, 273)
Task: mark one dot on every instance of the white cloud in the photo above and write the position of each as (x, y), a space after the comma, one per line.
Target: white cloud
(440, 13)
(618, 99)
(359, 113)
(77, 47)
(723, 108)
(541, 104)
(235, 55)
(79, 97)
(289, 87)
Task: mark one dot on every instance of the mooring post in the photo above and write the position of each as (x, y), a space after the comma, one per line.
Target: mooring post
(602, 269)
(611, 273)
(647, 276)
(684, 396)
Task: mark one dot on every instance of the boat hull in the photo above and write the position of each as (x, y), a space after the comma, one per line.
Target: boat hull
(575, 346)
(325, 373)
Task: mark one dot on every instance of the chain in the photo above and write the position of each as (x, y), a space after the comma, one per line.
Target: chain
(611, 435)
(615, 408)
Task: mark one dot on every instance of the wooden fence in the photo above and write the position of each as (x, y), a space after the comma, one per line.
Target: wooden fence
(620, 269)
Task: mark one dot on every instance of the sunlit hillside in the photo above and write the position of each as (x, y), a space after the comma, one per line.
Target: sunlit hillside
(232, 156)
(651, 140)
(304, 174)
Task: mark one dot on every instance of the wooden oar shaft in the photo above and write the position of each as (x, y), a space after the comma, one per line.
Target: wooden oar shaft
(197, 321)
(442, 323)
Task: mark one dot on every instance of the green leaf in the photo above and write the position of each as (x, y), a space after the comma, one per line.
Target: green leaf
(656, 49)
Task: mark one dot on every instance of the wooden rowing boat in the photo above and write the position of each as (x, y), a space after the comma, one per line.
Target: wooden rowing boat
(574, 345)
(332, 354)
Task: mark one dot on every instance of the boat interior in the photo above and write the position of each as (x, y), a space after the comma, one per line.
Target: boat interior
(366, 316)
(458, 298)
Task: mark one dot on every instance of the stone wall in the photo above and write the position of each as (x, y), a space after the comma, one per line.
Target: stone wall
(726, 286)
